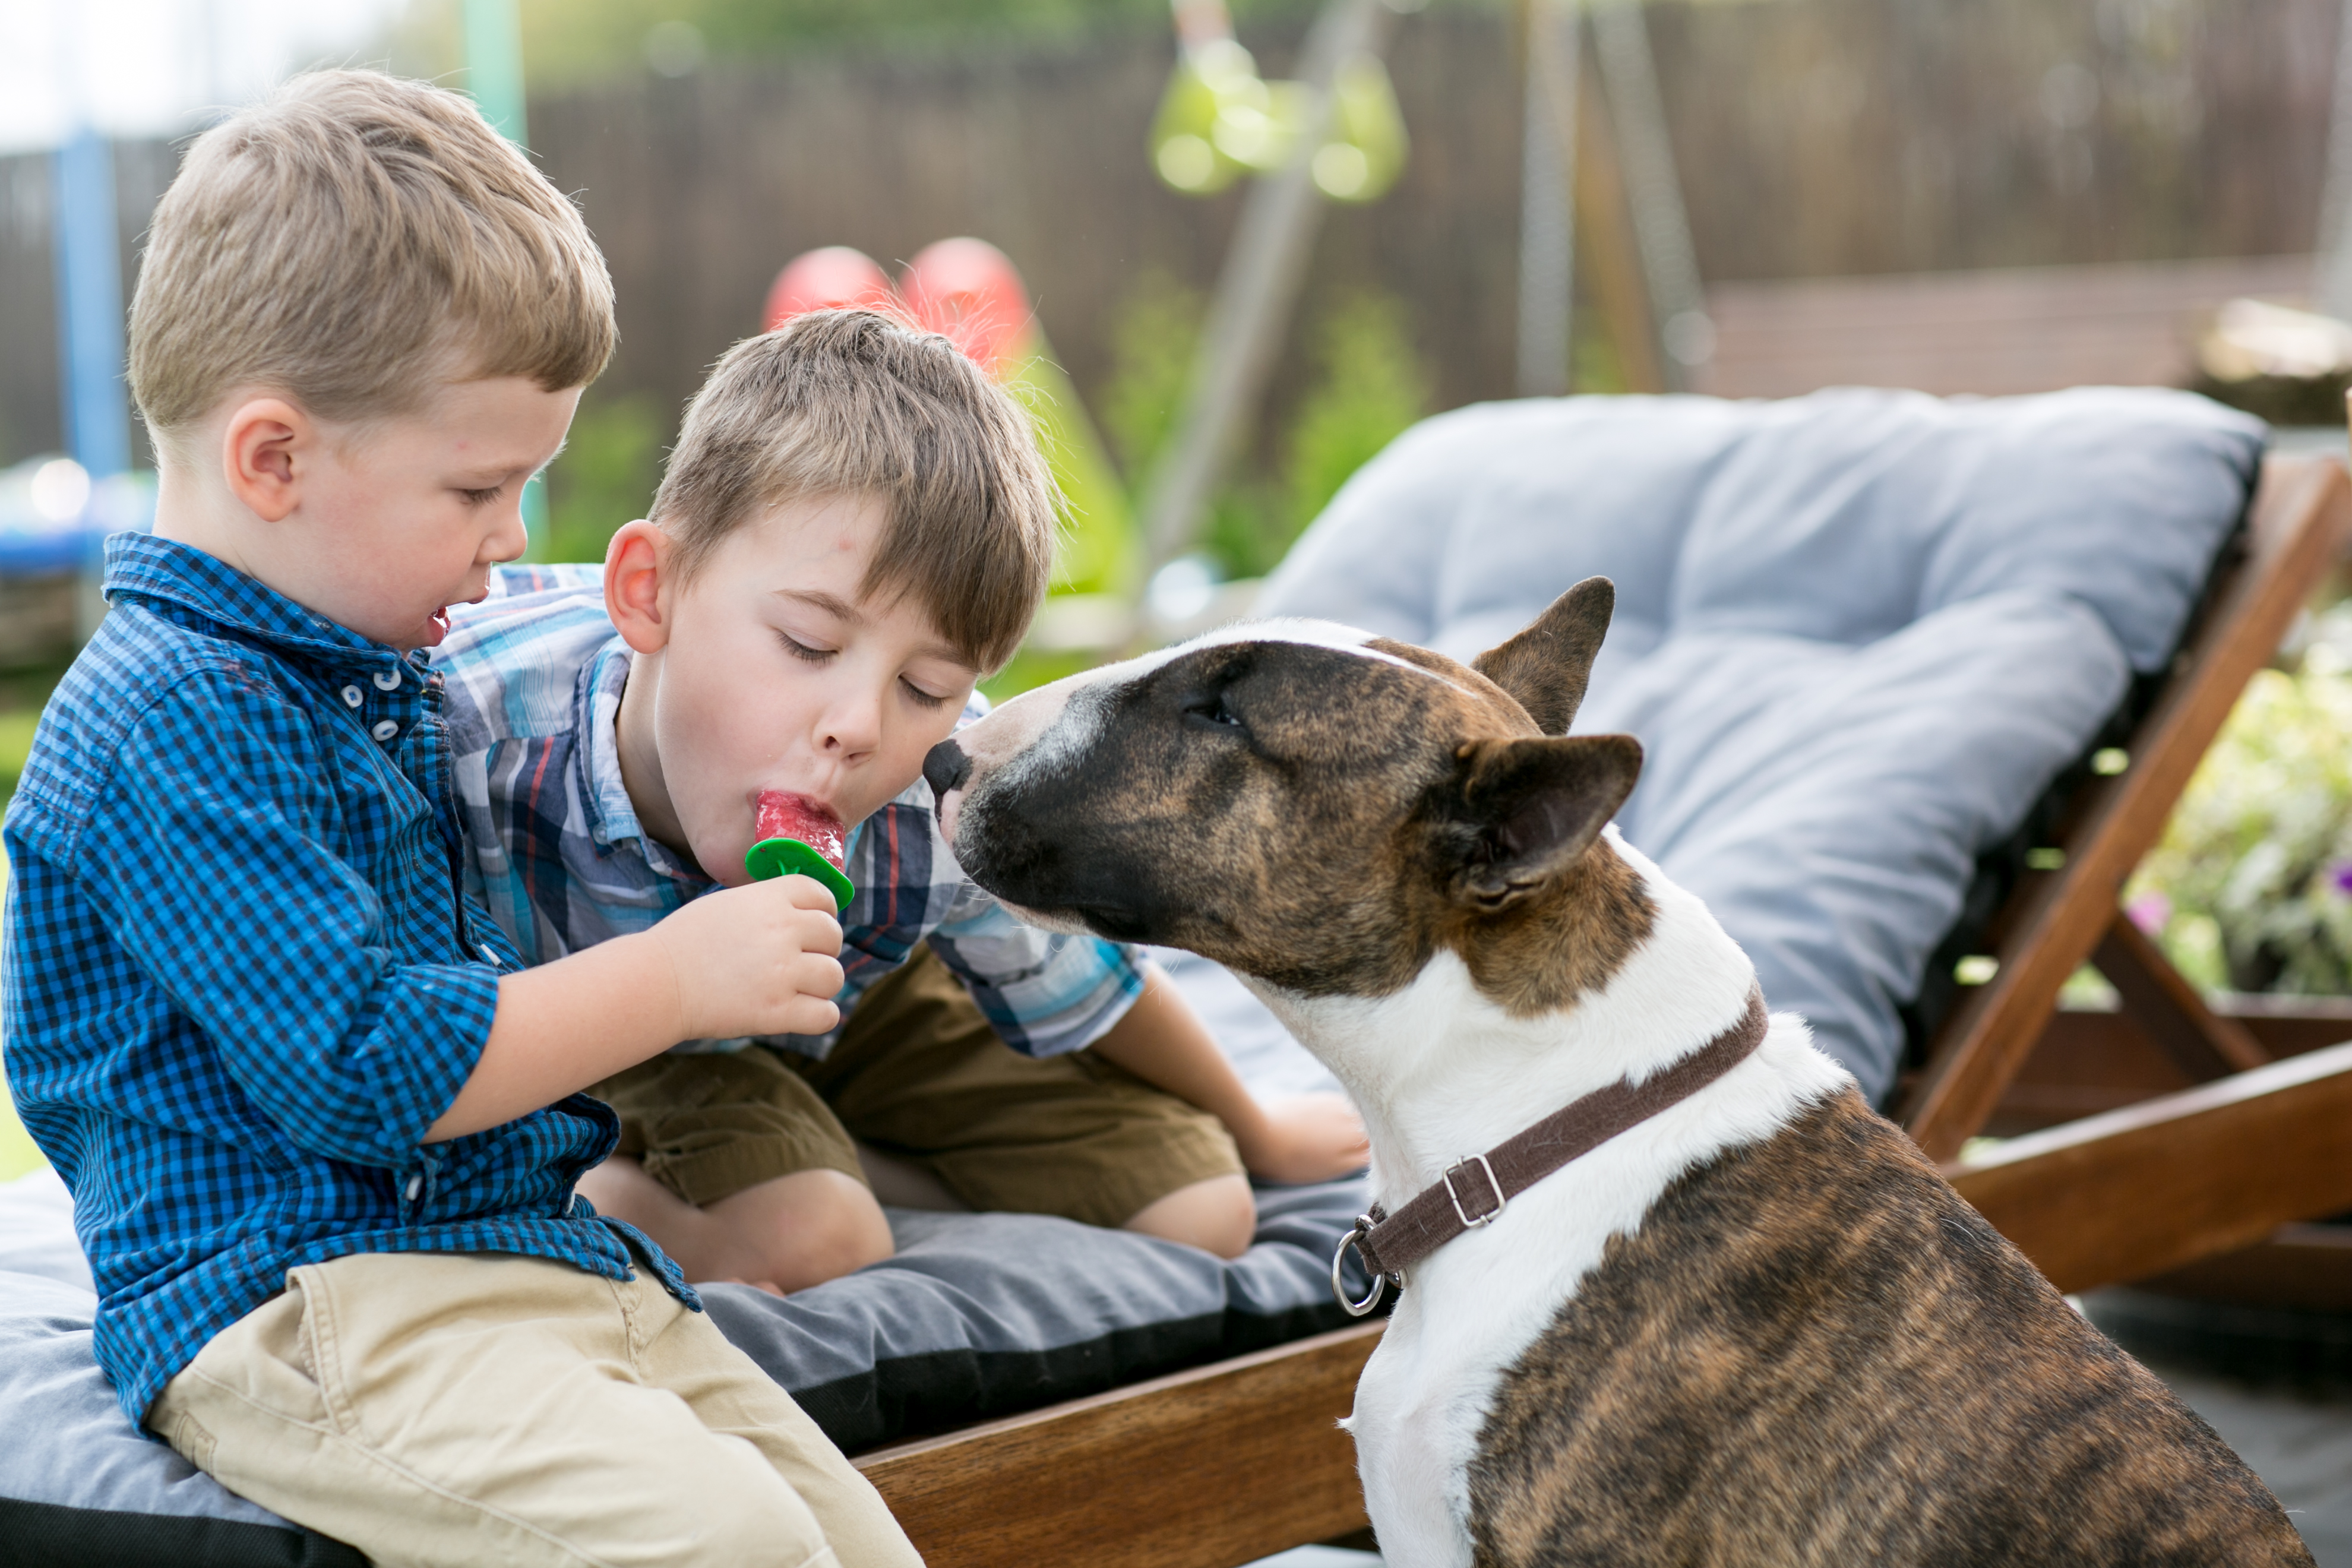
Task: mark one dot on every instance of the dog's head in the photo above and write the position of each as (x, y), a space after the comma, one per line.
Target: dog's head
(1317, 808)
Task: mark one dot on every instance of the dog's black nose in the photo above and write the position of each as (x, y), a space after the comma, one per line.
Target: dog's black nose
(945, 767)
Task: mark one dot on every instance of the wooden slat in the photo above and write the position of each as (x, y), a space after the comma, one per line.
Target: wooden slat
(2306, 1268)
(1207, 1468)
(2169, 1009)
(2299, 525)
(2089, 1062)
(2164, 1182)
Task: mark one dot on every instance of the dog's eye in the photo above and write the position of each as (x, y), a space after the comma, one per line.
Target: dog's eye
(1213, 709)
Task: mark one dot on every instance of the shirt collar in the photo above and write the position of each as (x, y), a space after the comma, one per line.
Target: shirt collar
(141, 565)
(604, 795)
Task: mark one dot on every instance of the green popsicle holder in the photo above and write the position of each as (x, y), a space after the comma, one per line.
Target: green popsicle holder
(790, 857)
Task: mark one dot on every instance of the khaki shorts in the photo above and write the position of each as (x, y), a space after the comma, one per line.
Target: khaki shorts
(430, 1408)
(918, 1073)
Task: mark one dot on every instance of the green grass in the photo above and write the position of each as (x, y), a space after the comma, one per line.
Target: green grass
(17, 1155)
(16, 744)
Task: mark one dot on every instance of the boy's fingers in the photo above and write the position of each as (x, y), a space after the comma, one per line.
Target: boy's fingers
(808, 1016)
(817, 975)
(818, 932)
(808, 893)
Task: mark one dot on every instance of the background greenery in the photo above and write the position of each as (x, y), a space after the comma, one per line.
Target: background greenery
(2251, 888)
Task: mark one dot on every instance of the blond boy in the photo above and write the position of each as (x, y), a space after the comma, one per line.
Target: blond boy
(320, 1128)
(855, 526)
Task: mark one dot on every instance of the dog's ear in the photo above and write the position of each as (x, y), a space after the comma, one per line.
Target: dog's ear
(1546, 667)
(1517, 812)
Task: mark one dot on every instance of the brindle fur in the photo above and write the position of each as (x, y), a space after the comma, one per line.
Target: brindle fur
(1330, 823)
(1812, 1351)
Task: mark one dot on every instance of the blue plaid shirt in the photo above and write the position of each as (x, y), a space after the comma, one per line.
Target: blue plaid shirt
(240, 980)
(555, 853)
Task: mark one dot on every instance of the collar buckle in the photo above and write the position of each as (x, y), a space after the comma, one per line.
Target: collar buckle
(1454, 1193)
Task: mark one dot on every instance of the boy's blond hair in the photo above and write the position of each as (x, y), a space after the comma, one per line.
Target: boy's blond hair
(842, 403)
(351, 241)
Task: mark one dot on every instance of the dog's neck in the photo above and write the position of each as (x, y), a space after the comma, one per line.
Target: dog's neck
(1441, 1071)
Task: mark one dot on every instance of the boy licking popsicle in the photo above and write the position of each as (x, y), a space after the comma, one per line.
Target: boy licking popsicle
(320, 1128)
(856, 524)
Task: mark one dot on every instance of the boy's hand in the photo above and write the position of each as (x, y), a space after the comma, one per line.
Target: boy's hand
(1306, 1138)
(761, 960)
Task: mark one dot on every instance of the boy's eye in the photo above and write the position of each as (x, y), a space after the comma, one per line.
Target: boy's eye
(481, 498)
(923, 699)
(799, 650)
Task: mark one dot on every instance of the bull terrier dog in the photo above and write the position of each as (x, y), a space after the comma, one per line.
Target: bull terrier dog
(1671, 1291)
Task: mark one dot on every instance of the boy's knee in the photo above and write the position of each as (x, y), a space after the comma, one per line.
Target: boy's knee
(1218, 1215)
(806, 1228)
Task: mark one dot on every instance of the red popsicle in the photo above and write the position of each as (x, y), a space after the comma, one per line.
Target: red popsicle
(797, 834)
(797, 817)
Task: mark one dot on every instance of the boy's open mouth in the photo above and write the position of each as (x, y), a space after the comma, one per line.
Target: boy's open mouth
(783, 814)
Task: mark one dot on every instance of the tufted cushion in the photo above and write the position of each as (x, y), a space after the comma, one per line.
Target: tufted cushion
(1858, 634)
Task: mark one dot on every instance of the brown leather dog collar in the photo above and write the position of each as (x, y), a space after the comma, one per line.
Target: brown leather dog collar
(1476, 1189)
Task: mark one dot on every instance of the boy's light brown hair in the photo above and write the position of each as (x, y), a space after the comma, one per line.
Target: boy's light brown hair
(841, 403)
(351, 241)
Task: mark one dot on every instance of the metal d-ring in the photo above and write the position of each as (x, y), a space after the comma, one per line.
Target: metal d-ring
(1356, 1234)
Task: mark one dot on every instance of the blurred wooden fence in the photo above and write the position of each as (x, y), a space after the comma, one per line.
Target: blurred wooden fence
(1815, 138)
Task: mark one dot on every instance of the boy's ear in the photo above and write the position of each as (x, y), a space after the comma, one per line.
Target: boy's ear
(637, 577)
(1516, 813)
(266, 449)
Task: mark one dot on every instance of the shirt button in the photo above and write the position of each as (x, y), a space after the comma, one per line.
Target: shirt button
(415, 1185)
(384, 729)
(387, 680)
(492, 956)
(353, 696)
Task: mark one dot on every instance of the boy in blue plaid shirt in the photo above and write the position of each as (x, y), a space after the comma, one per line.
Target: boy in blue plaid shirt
(321, 1124)
(854, 526)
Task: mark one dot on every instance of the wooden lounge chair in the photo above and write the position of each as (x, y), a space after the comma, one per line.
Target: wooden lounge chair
(1226, 1463)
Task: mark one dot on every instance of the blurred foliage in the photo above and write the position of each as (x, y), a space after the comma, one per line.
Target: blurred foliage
(604, 476)
(569, 42)
(2251, 888)
(1368, 385)
(1152, 344)
(15, 745)
(18, 1153)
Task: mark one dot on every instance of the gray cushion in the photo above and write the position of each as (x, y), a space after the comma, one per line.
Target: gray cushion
(67, 1441)
(1858, 634)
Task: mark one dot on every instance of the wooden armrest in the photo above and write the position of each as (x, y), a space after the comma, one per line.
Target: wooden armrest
(2173, 1179)
(1206, 1469)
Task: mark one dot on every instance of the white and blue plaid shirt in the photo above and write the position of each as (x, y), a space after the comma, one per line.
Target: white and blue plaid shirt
(554, 852)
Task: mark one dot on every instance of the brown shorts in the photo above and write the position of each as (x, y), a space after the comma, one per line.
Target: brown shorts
(918, 1073)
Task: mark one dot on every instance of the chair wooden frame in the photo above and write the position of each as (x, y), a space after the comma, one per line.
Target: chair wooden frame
(1215, 1467)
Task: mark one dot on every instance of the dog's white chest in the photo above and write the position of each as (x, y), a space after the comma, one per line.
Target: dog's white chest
(1426, 1394)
